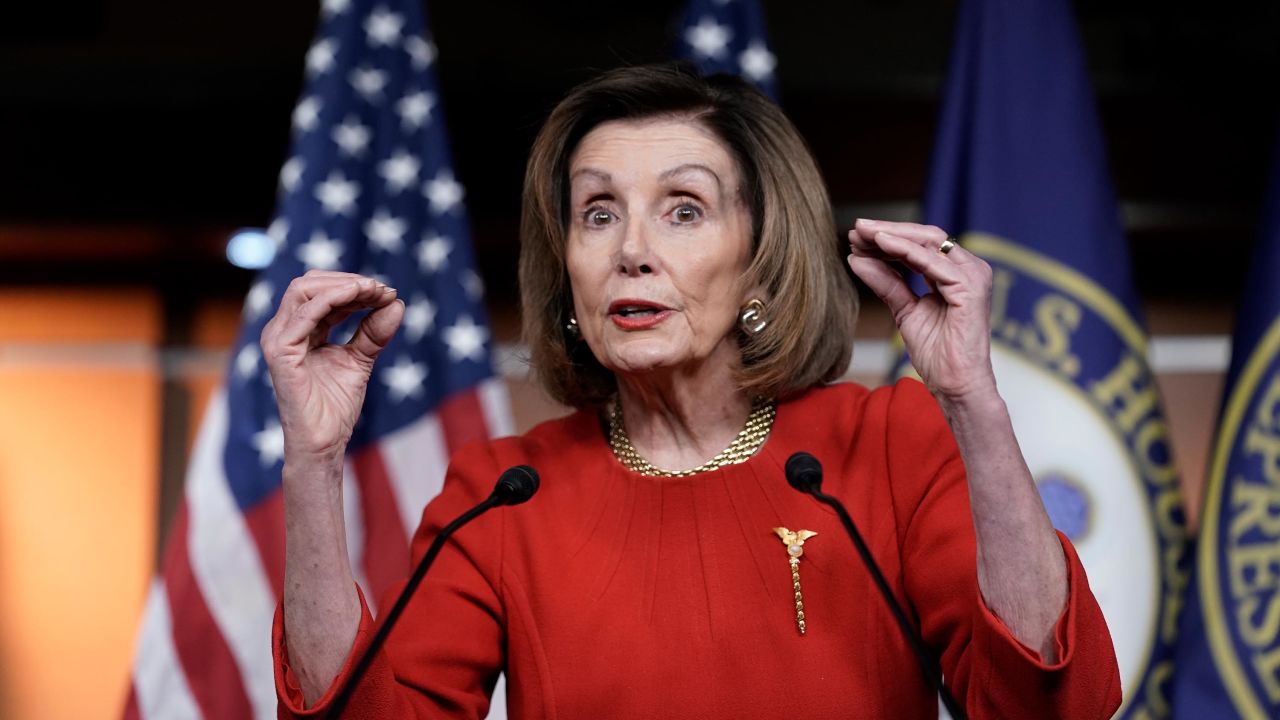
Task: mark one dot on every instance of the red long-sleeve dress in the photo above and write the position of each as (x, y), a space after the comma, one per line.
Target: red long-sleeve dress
(615, 595)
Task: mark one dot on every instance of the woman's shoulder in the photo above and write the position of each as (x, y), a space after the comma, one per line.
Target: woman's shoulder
(551, 438)
(886, 404)
(548, 447)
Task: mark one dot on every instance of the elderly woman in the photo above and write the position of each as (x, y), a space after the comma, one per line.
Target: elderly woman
(682, 288)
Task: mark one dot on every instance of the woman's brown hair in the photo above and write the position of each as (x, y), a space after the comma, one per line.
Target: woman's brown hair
(811, 303)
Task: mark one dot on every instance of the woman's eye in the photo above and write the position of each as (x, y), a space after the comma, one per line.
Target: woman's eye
(686, 214)
(599, 217)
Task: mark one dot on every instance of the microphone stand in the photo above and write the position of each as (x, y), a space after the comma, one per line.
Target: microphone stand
(512, 489)
(927, 663)
(804, 473)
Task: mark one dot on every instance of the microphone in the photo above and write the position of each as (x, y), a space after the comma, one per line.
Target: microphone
(804, 473)
(515, 485)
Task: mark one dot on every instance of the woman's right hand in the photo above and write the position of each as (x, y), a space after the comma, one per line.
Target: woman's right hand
(320, 386)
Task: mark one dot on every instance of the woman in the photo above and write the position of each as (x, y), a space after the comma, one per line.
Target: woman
(681, 289)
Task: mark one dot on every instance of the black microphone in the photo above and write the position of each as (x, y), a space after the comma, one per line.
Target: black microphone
(804, 473)
(516, 485)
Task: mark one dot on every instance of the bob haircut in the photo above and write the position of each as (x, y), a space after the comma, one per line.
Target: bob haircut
(811, 303)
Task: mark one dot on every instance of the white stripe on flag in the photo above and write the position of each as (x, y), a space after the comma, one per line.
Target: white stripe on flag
(416, 457)
(225, 563)
(162, 689)
(497, 407)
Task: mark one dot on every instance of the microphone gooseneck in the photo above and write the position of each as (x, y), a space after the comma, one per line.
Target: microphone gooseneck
(516, 485)
(804, 473)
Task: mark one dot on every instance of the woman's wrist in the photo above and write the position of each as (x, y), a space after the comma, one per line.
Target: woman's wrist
(976, 403)
(309, 480)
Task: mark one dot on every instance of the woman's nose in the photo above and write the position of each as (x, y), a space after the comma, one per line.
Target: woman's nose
(635, 254)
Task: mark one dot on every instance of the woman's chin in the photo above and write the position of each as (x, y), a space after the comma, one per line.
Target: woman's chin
(641, 361)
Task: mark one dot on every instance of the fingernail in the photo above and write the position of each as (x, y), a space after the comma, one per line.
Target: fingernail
(387, 289)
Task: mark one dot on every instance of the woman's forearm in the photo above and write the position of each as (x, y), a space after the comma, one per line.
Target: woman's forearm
(1021, 569)
(321, 607)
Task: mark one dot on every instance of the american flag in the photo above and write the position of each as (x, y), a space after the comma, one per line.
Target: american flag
(727, 36)
(368, 188)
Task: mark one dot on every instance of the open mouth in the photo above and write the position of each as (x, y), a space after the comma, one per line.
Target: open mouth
(630, 314)
(636, 311)
(635, 308)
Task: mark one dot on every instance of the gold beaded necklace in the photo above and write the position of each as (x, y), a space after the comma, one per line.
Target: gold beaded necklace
(753, 435)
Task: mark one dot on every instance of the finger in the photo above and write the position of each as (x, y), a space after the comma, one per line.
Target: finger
(934, 266)
(376, 330)
(306, 287)
(930, 236)
(300, 325)
(885, 283)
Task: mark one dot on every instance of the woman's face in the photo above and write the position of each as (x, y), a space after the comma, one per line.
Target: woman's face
(658, 243)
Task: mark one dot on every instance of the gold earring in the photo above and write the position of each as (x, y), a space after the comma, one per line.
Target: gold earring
(751, 317)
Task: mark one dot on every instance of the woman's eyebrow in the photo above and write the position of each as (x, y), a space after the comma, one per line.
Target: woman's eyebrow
(690, 168)
(594, 172)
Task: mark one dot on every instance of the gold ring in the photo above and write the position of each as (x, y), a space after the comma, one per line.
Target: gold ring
(947, 245)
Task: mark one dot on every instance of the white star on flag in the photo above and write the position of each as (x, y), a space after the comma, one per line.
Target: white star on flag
(385, 231)
(278, 231)
(399, 171)
(269, 443)
(433, 252)
(419, 317)
(338, 194)
(757, 62)
(306, 115)
(708, 38)
(466, 339)
(415, 109)
(320, 252)
(320, 56)
(257, 301)
(334, 7)
(368, 82)
(443, 192)
(351, 136)
(291, 173)
(472, 284)
(382, 27)
(247, 361)
(421, 53)
(404, 379)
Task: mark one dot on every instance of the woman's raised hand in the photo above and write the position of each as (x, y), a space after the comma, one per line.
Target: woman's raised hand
(320, 386)
(946, 331)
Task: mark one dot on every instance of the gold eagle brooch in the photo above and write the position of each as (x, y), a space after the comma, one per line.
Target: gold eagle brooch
(794, 541)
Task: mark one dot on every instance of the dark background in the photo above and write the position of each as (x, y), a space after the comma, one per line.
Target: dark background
(135, 134)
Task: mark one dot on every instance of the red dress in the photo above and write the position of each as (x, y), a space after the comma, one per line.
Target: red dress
(616, 595)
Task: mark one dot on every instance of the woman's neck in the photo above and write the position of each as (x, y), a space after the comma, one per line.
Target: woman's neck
(680, 418)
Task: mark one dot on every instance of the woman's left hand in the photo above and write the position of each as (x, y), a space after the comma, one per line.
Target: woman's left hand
(946, 331)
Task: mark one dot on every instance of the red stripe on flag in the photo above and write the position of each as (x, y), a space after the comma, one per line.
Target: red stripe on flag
(386, 546)
(131, 709)
(207, 662)
(266, 524)
(462, 419)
